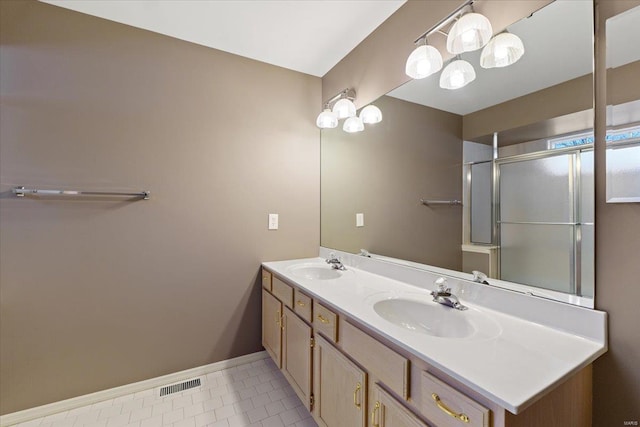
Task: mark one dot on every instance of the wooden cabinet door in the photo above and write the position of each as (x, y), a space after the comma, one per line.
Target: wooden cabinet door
(340, 388)
(272, 326)
(387, 412)
(296, 355)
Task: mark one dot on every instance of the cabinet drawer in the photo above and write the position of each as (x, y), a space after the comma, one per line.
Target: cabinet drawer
(282, 291)
(386, 411)
(325, 321)
(302, 306)
(388, 366)
(266, 280)
(446, 406)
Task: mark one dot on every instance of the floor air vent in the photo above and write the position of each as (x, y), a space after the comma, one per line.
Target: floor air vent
(179, 387)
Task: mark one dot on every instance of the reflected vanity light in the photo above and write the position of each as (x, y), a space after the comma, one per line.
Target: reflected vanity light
(423, 61)
(344, 108)
(503, 50)
(457, 74)
(470, 32)
(371, 114)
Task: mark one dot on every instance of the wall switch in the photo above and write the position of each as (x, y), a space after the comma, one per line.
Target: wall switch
(273, 221)
(359, 220)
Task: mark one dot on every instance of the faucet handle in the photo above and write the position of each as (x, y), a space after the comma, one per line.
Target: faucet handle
(441, 282)
(479, 276)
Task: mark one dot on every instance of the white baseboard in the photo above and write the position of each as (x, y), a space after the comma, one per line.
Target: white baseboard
(99, 396)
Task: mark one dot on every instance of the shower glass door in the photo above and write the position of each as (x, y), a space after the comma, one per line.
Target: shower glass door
(540, 220)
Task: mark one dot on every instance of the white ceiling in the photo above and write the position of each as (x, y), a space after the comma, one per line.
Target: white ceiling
(309, 36)
(558, 42)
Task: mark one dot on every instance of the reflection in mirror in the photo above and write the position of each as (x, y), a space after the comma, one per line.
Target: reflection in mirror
(505, 145)
(623, 107)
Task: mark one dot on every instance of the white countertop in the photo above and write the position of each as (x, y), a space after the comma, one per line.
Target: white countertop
(516, 362)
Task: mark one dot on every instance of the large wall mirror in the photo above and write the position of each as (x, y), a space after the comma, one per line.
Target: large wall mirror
(496, 176)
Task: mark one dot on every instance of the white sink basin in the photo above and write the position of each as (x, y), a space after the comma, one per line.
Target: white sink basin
(314, 272)
(427, 317)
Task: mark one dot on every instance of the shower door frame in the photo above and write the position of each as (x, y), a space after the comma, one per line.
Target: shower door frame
(575, 191)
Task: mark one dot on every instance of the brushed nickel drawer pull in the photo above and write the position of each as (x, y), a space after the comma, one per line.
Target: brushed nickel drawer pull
(462, 417)
(323, 319)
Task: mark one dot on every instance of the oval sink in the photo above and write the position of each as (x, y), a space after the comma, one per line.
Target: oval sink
(315, 272)
(435, 319)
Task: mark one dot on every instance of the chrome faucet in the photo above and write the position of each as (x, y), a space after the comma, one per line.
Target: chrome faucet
(336, 262)
(443, 295)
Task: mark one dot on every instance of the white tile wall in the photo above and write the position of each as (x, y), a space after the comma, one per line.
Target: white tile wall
(250, 395)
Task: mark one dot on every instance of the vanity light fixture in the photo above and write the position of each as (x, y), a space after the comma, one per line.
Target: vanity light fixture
(327, 119)
(457, 74)
(503, 50)
(344, 108)
(423, 61)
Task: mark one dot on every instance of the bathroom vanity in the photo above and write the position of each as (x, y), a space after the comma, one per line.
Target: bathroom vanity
(367, 346)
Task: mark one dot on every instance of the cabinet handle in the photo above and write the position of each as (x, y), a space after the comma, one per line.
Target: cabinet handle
(301, 304)
(278, 317)
(323, 319)
(376, 407)
(462, 417)
(355, 395)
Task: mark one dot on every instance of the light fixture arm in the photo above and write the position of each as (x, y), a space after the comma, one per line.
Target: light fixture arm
(347, 93)
(421, 41)
(446, 20)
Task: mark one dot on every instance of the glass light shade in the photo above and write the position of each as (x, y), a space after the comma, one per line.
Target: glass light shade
(457, 74)
(503, 50)
(344, 108)
(353, 124)
(327, 120)
(423, 61)
(470, 32)
(371, 114)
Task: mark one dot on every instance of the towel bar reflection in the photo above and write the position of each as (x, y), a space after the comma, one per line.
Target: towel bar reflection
(440, 202)
(21, 192)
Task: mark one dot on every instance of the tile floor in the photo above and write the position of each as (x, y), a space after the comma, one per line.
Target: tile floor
(250, 395)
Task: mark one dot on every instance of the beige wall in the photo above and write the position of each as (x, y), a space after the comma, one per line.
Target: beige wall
(559, 100)
(549, 111)
(383, 172)
(616, 374)
(96, 294)
(616, 379)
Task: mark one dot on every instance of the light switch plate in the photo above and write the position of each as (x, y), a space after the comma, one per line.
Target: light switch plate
(273, 221)
(359, 220)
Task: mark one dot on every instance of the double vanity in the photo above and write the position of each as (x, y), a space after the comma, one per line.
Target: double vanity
(370, 346)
